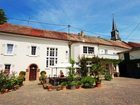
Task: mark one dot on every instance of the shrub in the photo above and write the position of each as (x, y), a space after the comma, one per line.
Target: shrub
(22, 74)
(43, 72)
(9, 82)
(64, 84)
(20, 80)
(108, 76)
(87, 82)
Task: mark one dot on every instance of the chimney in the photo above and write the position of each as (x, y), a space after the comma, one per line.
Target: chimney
(82, 33)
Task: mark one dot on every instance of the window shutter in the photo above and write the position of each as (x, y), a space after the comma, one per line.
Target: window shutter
(3, 50)
(37, 50)
(28, 50)
(15, 49)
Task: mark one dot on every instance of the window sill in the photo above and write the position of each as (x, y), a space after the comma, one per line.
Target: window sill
(8, 54)
(109, 54)
(33, 55)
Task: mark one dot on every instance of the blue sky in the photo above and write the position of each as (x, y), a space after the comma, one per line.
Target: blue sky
(93, 16)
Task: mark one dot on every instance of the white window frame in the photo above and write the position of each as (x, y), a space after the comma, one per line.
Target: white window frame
(6, 49)
(87, 50)
(51, 56)
(31, 53)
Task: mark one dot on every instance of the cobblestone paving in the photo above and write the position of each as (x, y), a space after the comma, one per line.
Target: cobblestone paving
(120, 91)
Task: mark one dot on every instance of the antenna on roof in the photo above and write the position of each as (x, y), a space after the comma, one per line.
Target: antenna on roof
(29, 20)
(69, 29)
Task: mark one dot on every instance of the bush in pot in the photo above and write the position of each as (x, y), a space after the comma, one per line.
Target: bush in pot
(71, 85)
(63, 85)
(22, 73)
(87, 82)
(107, 76)
(43, 77)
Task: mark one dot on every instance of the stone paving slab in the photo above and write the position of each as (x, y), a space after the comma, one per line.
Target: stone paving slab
(120, 91)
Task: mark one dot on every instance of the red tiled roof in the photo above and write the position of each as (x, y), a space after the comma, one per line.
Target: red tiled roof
(134, 44)
(29, 31)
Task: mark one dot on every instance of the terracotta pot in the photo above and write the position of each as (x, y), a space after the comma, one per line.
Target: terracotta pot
(50, 88)
(98, 84)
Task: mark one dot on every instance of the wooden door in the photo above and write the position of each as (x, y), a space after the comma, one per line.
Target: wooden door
(33, 73)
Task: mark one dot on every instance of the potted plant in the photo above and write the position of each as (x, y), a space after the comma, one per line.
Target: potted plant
(71, 85)
(78, 84)
(43, 77)
(98, 82)
(107, 76)
(63, 85)
(98, 70)
(49, 87)
(87, 82)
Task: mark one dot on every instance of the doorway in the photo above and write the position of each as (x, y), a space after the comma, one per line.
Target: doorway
(33, 72)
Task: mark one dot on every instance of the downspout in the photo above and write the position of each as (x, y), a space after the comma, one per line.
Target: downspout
(69, 44)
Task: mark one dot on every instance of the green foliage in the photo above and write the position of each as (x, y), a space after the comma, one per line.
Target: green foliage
(43, 73)
(9, 82)
(71, 73)
(43, 77)
(108, 76)
(22, 73)
(83, 66)
(73, 83)
(3, 18)
(87, 82)
(64, 84)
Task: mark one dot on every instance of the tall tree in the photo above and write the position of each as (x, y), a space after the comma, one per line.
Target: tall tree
(3, 18)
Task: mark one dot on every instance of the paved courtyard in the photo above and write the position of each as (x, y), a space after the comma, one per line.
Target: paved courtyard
(120, 91)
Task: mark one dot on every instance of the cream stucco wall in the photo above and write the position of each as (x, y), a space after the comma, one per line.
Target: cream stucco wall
(21, 58)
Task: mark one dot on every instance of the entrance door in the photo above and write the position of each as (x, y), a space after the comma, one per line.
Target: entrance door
(33, 72)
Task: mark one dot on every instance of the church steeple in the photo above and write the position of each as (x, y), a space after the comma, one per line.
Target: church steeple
(114, 32)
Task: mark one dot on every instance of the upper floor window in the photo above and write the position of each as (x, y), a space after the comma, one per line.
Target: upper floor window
(10, 48)
(88, 50)
(33, 50)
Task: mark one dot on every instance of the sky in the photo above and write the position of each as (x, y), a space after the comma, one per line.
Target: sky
(94, 17)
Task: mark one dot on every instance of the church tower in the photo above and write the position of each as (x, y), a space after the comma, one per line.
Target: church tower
(114, 32)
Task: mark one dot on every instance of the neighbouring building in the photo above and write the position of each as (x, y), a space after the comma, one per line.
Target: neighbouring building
(130, 67)
(33, 50)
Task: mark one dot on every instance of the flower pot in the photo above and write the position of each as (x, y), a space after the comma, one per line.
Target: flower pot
(98, 84)
(77, 87)
(50, 88)
(73, 87)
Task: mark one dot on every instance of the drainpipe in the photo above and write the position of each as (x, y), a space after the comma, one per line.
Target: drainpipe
(69, 44)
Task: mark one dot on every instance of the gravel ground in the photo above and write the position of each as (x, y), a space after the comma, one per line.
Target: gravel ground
(120, 91)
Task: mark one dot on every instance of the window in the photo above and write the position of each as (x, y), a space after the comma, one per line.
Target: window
(10, 48)
(33, 50)
(106, 51)
(88, 50)
(138, 65)
(51, 59)
(7, 68)
(84, 49)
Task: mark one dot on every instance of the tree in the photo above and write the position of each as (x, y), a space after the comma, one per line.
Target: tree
(3, 18)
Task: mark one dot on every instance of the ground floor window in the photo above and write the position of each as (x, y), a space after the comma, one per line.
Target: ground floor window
(51, 58)
(7, 68)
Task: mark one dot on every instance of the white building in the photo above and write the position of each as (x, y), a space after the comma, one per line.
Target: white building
(34, 50)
